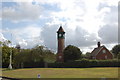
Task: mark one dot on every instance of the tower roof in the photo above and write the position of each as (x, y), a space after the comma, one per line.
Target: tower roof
(60, 29)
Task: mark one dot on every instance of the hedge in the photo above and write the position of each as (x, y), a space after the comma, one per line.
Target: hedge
(84, 63)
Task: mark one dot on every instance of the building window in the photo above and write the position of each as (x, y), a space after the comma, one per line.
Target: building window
(105, 57)
(60, 57)
(94, 58)
(104, 51)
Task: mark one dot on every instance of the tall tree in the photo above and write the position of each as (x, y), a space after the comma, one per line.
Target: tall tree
(35, 55)
(1, 43)
(5, 54)
(71, 53)
(6, 42)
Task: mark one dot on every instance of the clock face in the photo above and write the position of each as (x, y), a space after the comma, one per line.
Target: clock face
(60, 35)
(60, 57)
(104, 51)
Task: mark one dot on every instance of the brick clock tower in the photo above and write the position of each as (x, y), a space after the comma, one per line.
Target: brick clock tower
(61, 45)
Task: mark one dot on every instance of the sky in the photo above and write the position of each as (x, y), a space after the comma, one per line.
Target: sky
(35, 22)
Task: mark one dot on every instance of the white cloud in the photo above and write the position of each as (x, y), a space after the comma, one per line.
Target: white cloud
(111, 3)
(84, 13)
(23, 43)
(78, 37)
(83, 22)
(27, 37)
(81, 19)
(2, 38)
(23, 11)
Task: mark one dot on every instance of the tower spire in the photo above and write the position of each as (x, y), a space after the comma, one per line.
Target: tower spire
(60, 30)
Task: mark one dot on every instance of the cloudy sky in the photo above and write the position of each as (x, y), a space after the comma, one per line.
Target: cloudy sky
(36, 22)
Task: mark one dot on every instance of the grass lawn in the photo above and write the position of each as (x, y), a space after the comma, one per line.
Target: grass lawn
(107, 72)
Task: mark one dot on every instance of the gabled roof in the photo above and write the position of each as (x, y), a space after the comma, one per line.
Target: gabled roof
(60, 29)
(96, 50)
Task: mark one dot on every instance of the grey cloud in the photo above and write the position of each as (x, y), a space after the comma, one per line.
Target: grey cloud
(109, 34)
(110, 17)
(79, 37)
(102, 5)
(49, 37)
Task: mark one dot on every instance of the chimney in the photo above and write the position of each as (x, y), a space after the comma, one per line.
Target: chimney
(98, 44)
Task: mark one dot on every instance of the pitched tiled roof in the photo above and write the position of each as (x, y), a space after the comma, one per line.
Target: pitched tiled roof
(96, 50)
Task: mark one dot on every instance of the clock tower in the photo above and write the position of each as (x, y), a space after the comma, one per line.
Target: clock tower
(61, 45)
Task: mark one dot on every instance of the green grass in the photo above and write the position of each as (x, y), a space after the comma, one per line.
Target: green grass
(62, 73)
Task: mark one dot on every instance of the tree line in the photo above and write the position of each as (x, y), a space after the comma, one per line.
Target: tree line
(40, 54)
(20, 57)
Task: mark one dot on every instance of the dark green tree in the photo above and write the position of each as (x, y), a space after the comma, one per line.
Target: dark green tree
(43, 53)
(6, 42)
(71, 53)
(49, 56)
(1, 43)
(119, 55)
(6, 51)
(22, 57)
(88, 55)
(32, 56)
(5, 54)
(116, 50)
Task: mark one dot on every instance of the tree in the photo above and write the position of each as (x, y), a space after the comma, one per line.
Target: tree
(21, 57)
(88, 55)
(5, 55)
(6, 51)
(43, 53)
(1, 43)
(116, 50)
(6, 42)
(49, 56)
(71, 53)
(33, 56)
(119, 55)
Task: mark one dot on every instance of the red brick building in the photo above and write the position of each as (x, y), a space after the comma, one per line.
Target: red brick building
(101, 53)
(61, 44)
